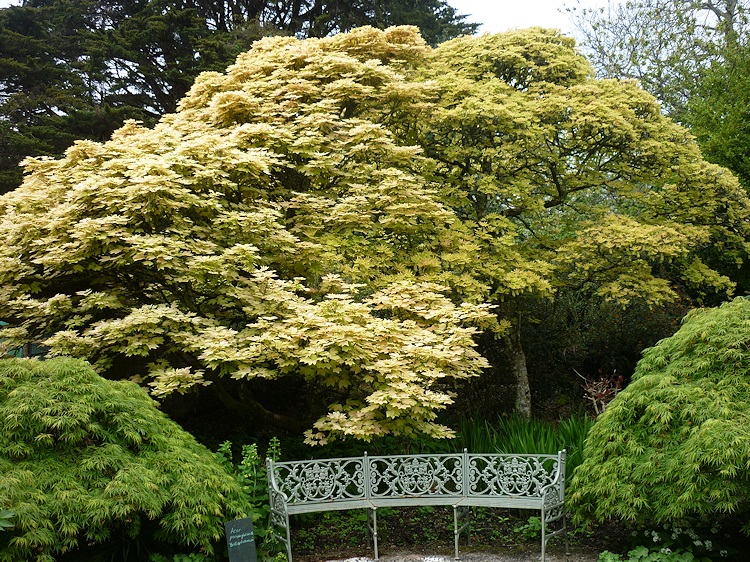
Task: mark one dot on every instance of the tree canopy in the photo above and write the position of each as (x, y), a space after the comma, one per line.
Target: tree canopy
(692, 56)
(71, 70)
(340, 213)
(84, 459)
(717, 113)
(571, 183)
(582, 173)
(272, 227)
(664, 44)
(675, 442)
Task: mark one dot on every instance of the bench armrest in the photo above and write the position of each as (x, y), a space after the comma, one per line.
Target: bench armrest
(553, 494)
(276, 498)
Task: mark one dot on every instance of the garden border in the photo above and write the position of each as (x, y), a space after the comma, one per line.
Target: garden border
(460, 480)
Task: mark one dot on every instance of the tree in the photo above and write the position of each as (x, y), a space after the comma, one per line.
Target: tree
(319, 18)
(717, 114)
(84, 460)
(271, 228)
(675, 442)
(664, 44)
(38, 94)
(691, 56)
(575, 336)
(330, 212)
(73, 70)
(78, 69)
(573, 184)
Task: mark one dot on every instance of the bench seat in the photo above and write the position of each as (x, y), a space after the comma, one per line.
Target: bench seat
(461, 480)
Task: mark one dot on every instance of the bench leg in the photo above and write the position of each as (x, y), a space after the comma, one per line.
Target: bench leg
(288, 539)
(455, 530)
(459, 527)
(546, 536)
(372, 527)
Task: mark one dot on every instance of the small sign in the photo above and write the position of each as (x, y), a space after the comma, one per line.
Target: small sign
(241, 540)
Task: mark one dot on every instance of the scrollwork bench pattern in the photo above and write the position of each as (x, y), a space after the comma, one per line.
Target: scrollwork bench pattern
(461, 480)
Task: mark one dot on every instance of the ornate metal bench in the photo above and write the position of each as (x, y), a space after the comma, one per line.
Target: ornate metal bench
(460, 480)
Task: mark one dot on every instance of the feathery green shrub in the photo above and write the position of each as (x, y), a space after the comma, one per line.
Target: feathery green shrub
(676, 442)
(86, 461)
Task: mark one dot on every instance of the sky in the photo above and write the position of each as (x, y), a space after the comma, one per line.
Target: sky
(501, 15)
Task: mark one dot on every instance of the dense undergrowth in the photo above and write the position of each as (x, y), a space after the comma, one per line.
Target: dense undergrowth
(318, 536)
(430, 529)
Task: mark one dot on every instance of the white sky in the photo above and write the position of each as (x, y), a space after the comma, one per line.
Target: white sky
(500, 15)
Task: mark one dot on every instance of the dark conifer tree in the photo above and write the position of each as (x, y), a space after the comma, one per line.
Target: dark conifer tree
(74, 69)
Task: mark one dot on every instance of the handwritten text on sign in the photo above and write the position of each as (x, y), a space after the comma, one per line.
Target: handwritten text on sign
(241, 540)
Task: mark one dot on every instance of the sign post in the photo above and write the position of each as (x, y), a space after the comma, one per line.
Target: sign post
(241, 540)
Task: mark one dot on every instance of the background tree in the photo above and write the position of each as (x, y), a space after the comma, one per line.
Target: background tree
(664, 44)
(717, 113)
(37, 93)
(78, 69)
(285, 224)
(573, 185)
(86, 462)
(692, 57)
(675, 443)
(72, 70)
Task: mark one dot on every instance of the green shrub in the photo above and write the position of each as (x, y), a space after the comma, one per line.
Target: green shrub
(682, 542)
(86, 461)
(252, 476)
(531, 529)
(5, 519)
(643, 554)
(676, 442)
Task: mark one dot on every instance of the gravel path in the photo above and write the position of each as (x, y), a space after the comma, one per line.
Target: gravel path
(507, 555)
(486, 557)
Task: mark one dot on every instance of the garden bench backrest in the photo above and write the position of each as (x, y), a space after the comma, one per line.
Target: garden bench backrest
(460, 480)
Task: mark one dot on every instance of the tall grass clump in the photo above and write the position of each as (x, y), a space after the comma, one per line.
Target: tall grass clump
(516, 434)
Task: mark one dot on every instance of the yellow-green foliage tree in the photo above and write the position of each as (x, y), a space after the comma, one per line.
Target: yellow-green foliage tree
(676, 442)
(333, 210)
(571, 183)
(272, 227)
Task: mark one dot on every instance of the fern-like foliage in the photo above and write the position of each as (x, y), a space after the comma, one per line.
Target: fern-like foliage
(676, 441)
(84, 460)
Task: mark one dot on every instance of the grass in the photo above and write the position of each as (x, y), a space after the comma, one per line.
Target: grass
(516, 434)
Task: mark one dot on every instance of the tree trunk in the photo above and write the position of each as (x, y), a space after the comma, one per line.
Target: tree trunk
(517, 366)
(252, 412)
